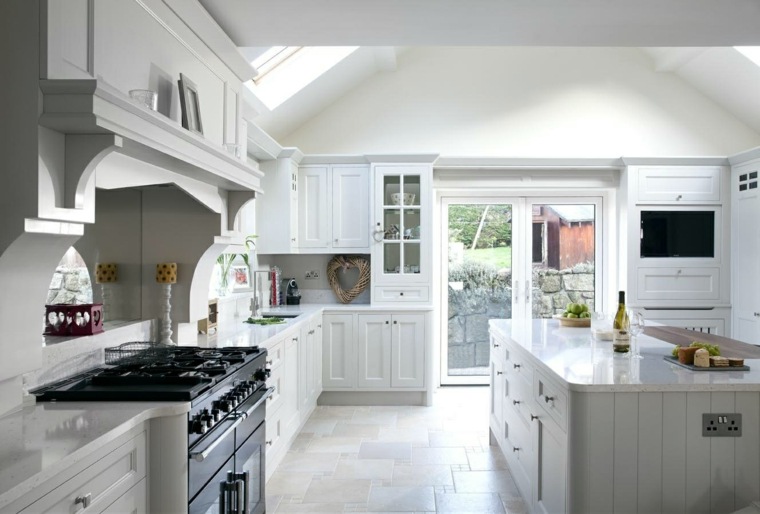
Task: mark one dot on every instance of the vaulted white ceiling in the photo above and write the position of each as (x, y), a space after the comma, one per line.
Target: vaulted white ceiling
(691, 39)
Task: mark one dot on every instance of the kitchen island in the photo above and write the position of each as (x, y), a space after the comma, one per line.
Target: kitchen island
(586, 430)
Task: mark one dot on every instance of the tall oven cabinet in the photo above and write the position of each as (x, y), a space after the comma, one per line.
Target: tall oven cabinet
(402, 233)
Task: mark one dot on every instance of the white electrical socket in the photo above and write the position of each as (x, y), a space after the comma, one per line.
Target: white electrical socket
(312, 275)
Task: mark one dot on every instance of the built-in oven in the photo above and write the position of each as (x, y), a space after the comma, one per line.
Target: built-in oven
(226, 469)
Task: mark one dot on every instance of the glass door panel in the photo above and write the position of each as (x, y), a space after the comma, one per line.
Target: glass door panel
(392, 257)
(478, 271)
(563, 256)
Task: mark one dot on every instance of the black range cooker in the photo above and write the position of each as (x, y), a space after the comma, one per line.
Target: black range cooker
(225, 428)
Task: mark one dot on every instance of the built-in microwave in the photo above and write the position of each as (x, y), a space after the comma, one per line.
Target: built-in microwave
(681, 233)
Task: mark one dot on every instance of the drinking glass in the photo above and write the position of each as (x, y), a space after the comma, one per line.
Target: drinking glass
(637, 324)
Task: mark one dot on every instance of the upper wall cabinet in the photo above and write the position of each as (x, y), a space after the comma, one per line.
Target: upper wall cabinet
(401, 251)
(333, 208)
(679, 184)
(277, 210)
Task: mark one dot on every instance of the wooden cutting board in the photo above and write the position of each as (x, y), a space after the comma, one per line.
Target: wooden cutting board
(684, 337)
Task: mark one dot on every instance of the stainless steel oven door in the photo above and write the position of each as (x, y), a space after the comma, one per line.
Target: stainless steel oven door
(250, 459)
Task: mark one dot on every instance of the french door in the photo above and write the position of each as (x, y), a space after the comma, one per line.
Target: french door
(511, 257)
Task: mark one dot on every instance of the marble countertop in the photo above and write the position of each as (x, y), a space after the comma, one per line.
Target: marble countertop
(40, 441)
(587, 364)
(245, 334)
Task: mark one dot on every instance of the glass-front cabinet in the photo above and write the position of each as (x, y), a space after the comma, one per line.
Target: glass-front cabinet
(401, 254)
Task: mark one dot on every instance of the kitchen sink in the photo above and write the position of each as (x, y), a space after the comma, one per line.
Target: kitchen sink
(282, 315)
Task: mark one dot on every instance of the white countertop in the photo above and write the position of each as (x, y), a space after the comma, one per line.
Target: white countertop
(40, 441)
(586, 364)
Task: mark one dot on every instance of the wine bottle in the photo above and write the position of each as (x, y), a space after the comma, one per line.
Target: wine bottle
(621, 338)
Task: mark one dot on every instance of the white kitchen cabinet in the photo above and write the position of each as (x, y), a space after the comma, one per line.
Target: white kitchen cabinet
(291, 384)
(316, 388)
(310, 365)
(402, 221)
(277, 210)
(391, 350)
(745, 242)
(679, 184)
(407, 350)
(374, 351)
(334, 208)
(549, 456)
(116, 478)
(338, 351)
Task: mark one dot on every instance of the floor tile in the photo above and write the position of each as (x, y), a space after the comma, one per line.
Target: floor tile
(370, 469)
(325, 508)
(416, 435)
(401, 499)
(376, 450)
(309, 462)
(337, 491)
(374, 418)
(438, 456)
(321, 426)
(496, 481)
(454, 439)
(283, 483)
(422, 475)
(486, 460)
(354, 430)
(514, 505)
(333, 413)
(334, 445)
(470, 503)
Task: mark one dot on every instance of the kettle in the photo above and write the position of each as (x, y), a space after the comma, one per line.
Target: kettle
(292, 294)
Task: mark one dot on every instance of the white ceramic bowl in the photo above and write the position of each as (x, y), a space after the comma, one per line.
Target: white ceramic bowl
(408, 198)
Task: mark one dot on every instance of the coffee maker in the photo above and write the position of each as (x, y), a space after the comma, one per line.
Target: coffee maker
(292, 294)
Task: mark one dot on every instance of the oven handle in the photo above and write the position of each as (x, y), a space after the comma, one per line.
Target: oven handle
(201, 455)
(248, 411)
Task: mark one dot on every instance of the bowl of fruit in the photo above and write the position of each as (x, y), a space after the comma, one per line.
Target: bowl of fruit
(575, 315)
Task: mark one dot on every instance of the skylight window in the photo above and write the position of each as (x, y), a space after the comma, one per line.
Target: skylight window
(750, 52)
(283, 73)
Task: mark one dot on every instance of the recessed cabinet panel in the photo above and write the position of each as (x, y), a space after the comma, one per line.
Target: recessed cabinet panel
(350, 207)
(408, 351)
(679, 184)
(313, 224)
(374, 351)
(338, 361)
(677, 283)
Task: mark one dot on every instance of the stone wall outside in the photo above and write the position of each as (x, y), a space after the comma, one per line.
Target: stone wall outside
(486, 293)
(70, 285)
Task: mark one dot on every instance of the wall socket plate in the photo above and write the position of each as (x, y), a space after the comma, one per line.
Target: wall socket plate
(312, 275)
(721, 425)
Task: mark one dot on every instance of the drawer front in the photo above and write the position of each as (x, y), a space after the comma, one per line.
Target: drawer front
(402, 294)
(275, 355)
(699, 184)
(678, 283)
(102, 483)
(551, 399)
(275, 400)
(518, 366)
(274, 439)
(521, 399)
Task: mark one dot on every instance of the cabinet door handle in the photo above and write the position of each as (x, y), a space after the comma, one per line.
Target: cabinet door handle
(496, 345)
(516, 291)
(319, 326)
(387, 322)
(85, 500)
(293, 239)
(311, 331)
(548, 399)
(679, 197)
(401, 293)
(515, 402)
(532, 417)
(515, 366)
(269, 443)
(515, 449)
(499, 373)
(336, 241)
(295, 339)
(395, 322)
(527, 292)
(269, 362)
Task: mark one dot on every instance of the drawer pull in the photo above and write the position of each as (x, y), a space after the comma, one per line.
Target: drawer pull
(548, 399)
(269, 443)
(311, 332)
(532, 417)
(319, 326)
(679, 197)
(515, 402)
(515, 449)
(515, 366)
(496, 345)
(295, 339)
(269, 362)
(499, 373)
(83, 500)
(401, 294)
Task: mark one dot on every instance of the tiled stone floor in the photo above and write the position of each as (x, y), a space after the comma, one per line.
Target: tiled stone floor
(397, 459)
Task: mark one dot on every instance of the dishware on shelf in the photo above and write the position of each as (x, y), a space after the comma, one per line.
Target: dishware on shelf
(145, 97)
(402, 198)
(636, 325)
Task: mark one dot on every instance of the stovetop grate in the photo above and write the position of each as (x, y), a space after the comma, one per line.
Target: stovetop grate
(137, 351)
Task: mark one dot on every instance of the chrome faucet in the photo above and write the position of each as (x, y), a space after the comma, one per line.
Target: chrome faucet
(256, 301)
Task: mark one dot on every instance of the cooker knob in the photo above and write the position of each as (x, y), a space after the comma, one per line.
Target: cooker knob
(216, 413)
(198, 427)
(222, 405)
(233, 399)
(262, 374)
(207, 419)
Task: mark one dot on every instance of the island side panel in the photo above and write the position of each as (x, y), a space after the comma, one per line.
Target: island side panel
(673, 491)
(722, 457)
(626, 452)
(697, 454)
(747, 450)
(650, 452)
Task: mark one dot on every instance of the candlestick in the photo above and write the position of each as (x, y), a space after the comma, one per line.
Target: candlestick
(166, 275)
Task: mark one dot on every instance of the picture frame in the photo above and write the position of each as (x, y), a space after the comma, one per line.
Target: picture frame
(241, 277)
(189, 102)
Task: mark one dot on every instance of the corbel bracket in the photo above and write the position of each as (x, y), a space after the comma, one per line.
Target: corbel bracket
(83, 154)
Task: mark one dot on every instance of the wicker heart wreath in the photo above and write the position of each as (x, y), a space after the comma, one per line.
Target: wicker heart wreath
(345, 263)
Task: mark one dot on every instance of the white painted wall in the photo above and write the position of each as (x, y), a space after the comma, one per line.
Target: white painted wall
(526, 102)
